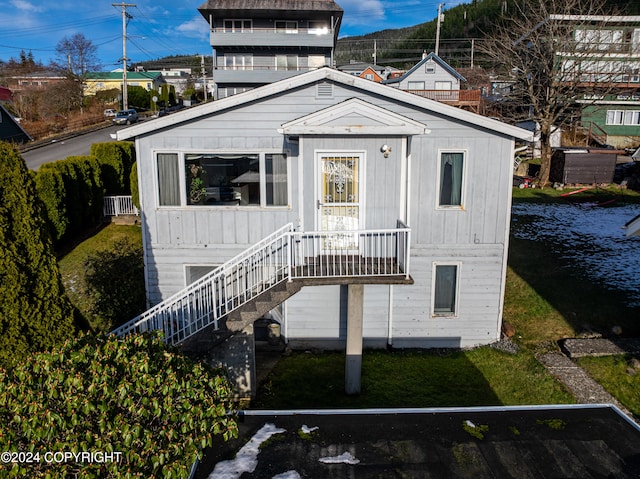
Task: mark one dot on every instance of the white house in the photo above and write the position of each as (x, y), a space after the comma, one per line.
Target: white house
(376, 217)
(434, 78)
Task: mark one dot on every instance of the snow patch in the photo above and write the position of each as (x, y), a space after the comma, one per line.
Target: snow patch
(308, 430)
(247, 457)
(344, 458)
(288, 475)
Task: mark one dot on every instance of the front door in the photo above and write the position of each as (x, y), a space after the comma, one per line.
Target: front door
(340, 197)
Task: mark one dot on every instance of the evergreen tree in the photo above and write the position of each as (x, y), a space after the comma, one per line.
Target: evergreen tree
(35, 313)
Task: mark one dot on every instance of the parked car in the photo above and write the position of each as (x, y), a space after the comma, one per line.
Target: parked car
(523, 182)
(110, 112)
(125, 117)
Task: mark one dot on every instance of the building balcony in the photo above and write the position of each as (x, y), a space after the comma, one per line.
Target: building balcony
(454, 97)
(269, 37)
(261, 76)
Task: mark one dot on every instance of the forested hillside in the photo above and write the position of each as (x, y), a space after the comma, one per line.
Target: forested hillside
(463, 25)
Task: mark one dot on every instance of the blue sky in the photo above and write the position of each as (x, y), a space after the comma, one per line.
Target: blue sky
(161, 27)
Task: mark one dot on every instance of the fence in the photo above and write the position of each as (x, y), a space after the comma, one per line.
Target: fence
(119, 205)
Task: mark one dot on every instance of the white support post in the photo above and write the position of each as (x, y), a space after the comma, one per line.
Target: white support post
(355, 317)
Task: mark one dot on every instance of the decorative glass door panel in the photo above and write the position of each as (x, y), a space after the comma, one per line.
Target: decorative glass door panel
(339, 204)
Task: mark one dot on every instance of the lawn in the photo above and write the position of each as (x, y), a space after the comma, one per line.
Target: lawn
(85, 294)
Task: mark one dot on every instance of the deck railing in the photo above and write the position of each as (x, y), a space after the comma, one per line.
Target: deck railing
(119, 205)
(458, 96)
(284, 255)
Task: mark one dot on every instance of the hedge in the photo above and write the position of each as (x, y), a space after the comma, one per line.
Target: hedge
(73, 189)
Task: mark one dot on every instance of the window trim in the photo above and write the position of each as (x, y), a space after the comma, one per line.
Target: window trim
(456, 297)
(463, 186)
(620, 117)
(262, 153)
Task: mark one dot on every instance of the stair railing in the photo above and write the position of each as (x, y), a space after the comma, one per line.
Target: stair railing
(283, 255)
(211, 297)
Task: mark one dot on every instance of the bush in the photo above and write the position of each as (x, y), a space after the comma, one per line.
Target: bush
(133, 182)
(115, 159)
(115, 283)
(35, 313)
(133, 396)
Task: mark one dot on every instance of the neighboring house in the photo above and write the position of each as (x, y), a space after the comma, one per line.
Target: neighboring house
(35, 81)
(10, 129)
(434, 78)
(101, 81)
(399, 209)
(365, 70)
(607, 57)
(259, 42)
(179, 78)
(370, 74)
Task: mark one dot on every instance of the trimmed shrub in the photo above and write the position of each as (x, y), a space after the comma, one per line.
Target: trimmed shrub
(116, 159)
(133, 396)
(115, 283)
(133, 182)
(51, 190)
(35, 313)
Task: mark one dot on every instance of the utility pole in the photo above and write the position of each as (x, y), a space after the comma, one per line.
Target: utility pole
(125, 17)
(440, 17)
(204, 77)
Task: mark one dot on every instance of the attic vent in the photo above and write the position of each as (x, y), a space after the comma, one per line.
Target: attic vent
(324, 90)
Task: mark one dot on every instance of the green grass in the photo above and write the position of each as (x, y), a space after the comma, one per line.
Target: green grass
(478, 377)
(72, 268)
(618, 376)
(551, 195)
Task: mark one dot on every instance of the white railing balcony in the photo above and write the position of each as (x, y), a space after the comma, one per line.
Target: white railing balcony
(331, 254)
(119, 205)
(286, 255)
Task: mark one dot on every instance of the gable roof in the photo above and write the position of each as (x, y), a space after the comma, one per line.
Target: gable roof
(309, 78)
(336, 119)
(10, 129)
(131, 76)
(430, 57)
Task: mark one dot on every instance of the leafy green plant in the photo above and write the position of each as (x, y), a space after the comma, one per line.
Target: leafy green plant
(133, 396)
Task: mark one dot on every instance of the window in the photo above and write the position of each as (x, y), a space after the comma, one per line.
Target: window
(430, 66)
(286, 26)
(451, 175)
(623, 117)
(238, 26)
(318, 28)
(443, 85)
(168, 179)
(210, 179)
(416, 85)
(238, 61)
(445, 289)
(286, 62)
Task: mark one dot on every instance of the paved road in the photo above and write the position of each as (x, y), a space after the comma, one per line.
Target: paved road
(59, 150)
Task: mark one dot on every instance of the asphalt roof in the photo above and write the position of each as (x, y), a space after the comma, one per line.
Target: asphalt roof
(583, 441)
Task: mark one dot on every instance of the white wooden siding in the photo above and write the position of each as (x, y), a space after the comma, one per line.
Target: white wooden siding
(475, 236)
